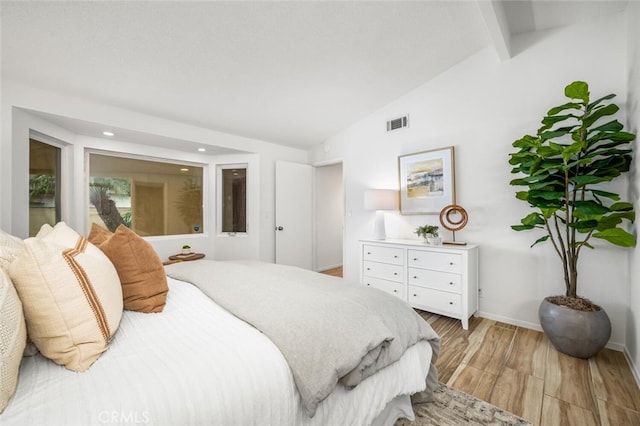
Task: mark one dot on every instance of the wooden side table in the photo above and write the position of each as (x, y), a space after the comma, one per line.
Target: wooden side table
(183, 258)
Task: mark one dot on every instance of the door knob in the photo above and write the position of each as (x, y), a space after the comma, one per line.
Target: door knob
(279, 228)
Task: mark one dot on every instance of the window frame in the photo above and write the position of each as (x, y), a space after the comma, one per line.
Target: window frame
(127, 155)
(62, 184)
(220, 202)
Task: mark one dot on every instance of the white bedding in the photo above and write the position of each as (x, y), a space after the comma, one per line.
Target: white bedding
(195, 363)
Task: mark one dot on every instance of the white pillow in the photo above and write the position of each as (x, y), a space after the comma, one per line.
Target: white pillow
(10, 248)
(13, 337)
(71, 296)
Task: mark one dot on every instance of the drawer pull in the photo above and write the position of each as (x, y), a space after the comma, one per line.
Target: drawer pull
(368, 252)
(451, 263)
(395, 291)
(395, 273)
(395, 257)
(451, 303)
(450, 282)
(415, 295)
(415, 277)
(368, 284)
(368, 269)
(415, 258)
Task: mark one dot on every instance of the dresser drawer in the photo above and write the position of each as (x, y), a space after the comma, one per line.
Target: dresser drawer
(384, 271)
(435, 300)
(435, 279)
(446, 262)
(383, 254)
(391, 287)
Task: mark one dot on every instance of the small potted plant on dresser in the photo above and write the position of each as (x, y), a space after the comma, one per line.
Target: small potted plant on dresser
(430, 234)
(186, 249)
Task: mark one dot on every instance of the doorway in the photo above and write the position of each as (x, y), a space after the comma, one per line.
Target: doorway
(329, 216)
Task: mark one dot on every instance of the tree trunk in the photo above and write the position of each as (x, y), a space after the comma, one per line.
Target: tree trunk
(106, 208)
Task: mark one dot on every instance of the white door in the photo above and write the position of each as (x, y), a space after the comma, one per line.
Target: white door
(294, 217)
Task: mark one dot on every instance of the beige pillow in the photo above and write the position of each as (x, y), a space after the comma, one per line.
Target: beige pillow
(144, 282)
(10, 248)
(71, 296)
(13, 338)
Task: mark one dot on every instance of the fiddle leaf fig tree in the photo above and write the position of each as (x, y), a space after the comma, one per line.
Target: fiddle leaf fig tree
(562, 168)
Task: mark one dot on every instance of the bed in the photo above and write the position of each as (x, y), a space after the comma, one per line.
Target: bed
(196, 363)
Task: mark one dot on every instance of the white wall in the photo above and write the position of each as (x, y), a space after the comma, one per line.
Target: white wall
(18, 100)
(633, 121)
(328, 216)
(481, 106)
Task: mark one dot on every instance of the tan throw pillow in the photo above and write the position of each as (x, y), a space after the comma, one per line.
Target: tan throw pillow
(13, 338)
(10, 248)
(98, 234)
(71, 296)
(144, 282)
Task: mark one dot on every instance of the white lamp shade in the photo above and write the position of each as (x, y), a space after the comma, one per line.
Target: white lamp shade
(380, 199)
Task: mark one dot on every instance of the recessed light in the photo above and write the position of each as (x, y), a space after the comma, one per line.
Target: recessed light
(202, 149)
(184, 169)
(107, 133)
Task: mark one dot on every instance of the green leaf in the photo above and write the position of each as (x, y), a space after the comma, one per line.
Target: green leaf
(598, 101)
(577, 90)
(547, 213)
(560, 108)
(549, 121)
(522, 227)
(553, 134)
(609, 222)
(532, 219)
(541, 240)
(609, 195)
(589, 208)
(527, 141)
(584, 225)
(547, 195)
(622, 206)
(572, 150)
(588, 180)
(611, 126)
(617, 236)
(614, 219)
(599, 113)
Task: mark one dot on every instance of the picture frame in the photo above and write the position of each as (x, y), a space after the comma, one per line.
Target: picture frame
(427, 181)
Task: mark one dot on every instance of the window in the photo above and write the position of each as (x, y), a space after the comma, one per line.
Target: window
(150, 197)
(44, 185)
(232, 187)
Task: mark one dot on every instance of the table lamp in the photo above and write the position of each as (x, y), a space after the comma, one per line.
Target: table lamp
(380, 200)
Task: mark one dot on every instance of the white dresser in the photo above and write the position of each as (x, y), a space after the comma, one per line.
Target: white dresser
(440, 279)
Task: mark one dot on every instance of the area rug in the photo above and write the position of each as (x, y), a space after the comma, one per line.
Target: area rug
(453, 408)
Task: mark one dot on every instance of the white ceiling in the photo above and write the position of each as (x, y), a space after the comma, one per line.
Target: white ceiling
(292, 73)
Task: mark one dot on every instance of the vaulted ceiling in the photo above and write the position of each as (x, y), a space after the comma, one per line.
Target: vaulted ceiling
(292, 73)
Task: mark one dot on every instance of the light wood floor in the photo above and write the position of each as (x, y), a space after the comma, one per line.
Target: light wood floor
(518, 370)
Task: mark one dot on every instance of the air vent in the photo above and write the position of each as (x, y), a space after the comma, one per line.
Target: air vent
(398, 123)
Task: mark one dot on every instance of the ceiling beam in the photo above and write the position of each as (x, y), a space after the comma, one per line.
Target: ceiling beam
(496, 20)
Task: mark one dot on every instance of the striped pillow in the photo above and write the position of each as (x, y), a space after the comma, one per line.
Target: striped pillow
(71, 296)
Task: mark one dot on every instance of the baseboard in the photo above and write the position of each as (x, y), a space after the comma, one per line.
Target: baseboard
(634, 367)
(324, 268)
(534, 326)
(523, 324)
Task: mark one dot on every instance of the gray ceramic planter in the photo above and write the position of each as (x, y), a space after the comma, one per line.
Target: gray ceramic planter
(575, 333)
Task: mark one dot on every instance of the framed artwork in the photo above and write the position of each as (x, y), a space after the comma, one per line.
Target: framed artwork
(427, 181)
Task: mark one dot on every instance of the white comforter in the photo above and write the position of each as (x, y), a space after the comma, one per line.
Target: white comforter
(195, 364)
